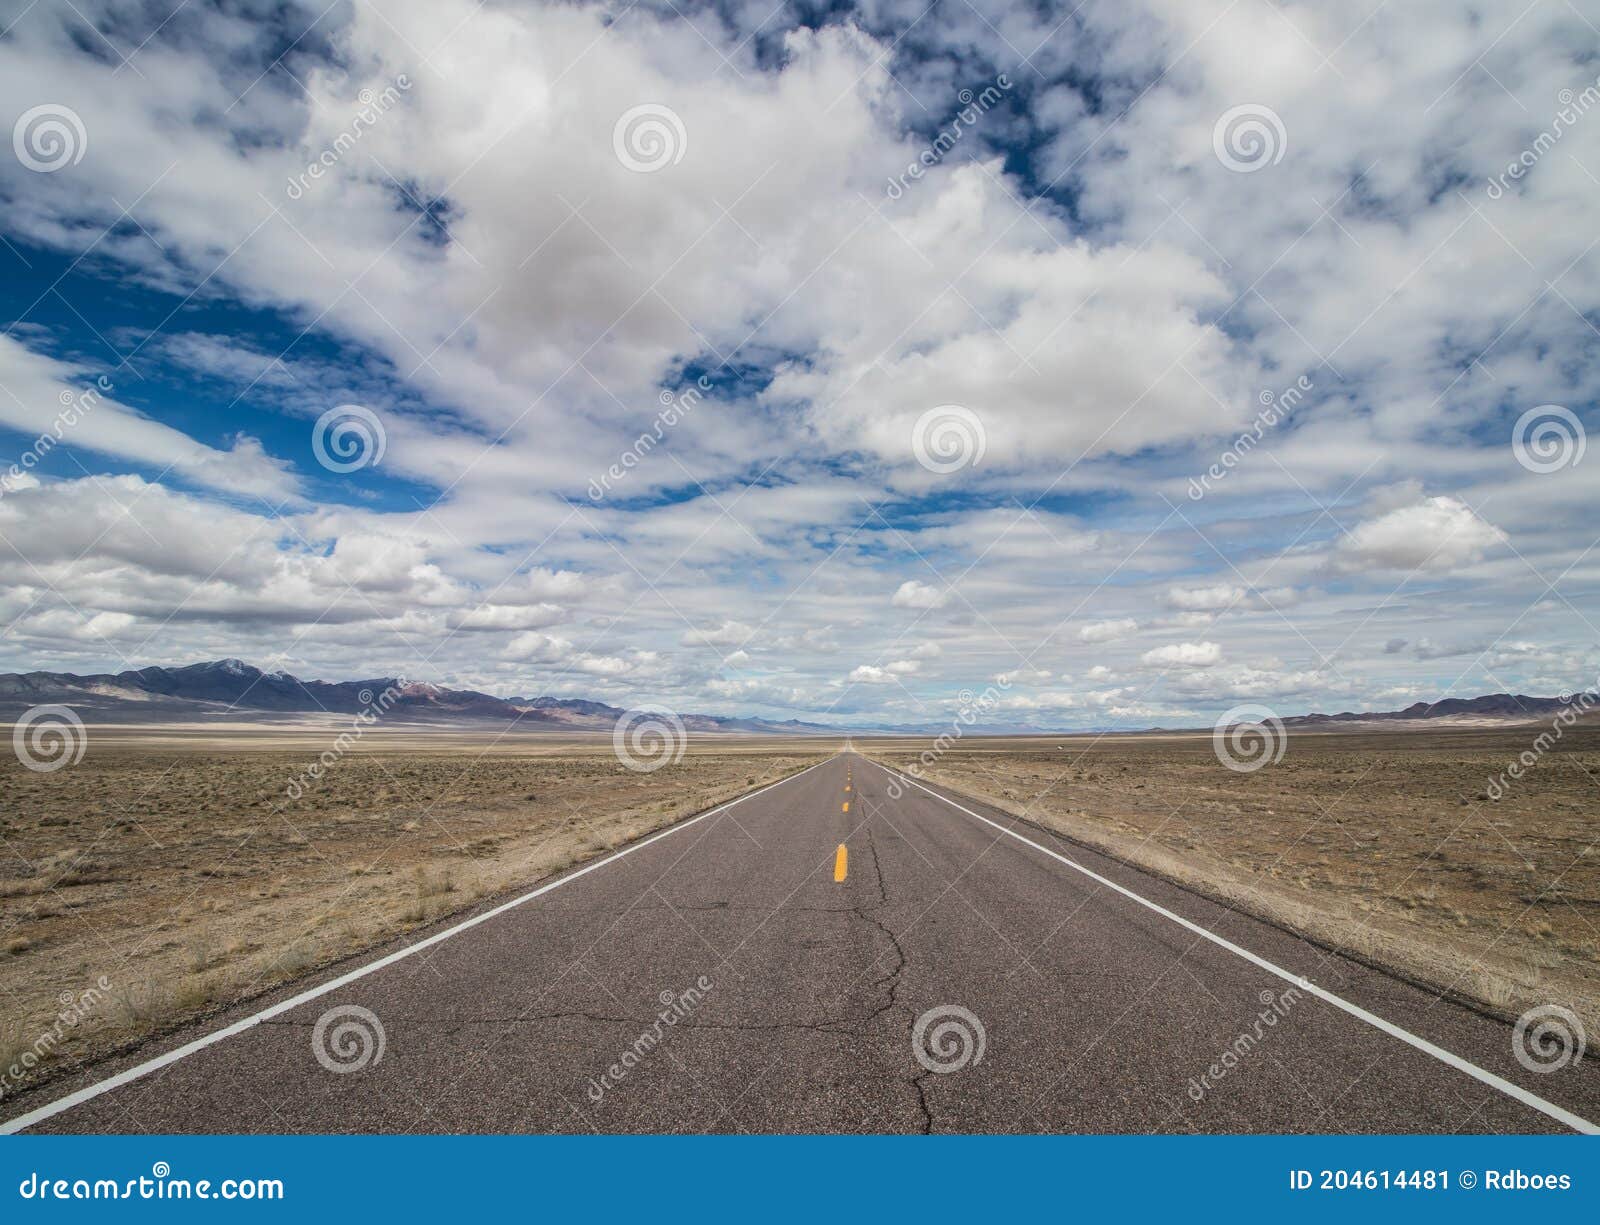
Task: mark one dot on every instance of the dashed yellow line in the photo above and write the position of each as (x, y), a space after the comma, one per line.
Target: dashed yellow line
(846, 807)
(841, 863)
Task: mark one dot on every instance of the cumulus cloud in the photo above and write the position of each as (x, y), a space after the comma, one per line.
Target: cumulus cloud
(1183, 655)
(1108, 631)
(726, 634)
(914, 594)
(1437, 535)
(507, 617)
(871, 674)
(1205, 599)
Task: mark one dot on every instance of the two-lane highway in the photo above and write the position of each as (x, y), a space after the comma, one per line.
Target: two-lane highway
(845, 951)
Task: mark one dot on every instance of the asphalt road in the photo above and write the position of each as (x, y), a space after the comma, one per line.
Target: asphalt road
(794, 996)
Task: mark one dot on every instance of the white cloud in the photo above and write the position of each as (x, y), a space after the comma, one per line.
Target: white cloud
(71, 409)
(1437, 535)
(1184, 655)
(726, 634)
(1108, 631)
(914, 594)
(507, 617)
(1205, 599)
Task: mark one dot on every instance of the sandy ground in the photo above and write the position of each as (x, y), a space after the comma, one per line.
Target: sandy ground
(1383, 845)
(169, 874)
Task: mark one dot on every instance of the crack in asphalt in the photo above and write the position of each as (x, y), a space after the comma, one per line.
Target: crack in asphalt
(852, 1024)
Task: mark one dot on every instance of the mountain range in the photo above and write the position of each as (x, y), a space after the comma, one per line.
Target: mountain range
(230, 689)
(1494, 707)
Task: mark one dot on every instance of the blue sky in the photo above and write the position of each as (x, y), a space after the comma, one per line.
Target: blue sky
(671, 382)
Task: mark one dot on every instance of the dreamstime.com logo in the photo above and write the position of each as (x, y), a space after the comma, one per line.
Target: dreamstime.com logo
(1574, 106)
(76, 1008)
(648, 738)
(1274, 408)
(49, 138)
(948, 438)
(1249, 737)
(971, 707)
(674, 408)
(348, 438)
(1274, 1006)
(676, 1007)
(948, 1038)
(1548, 438)
(348, 1038)
(372, 709)
(1548, 1038)
(1576, 706)
(1249, 138)
(74, 408)
(47, 738)
(158, 1184)
(649, 137)
(374, 106)
(973, 107)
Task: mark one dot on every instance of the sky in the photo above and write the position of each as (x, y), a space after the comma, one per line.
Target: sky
(1129, 363)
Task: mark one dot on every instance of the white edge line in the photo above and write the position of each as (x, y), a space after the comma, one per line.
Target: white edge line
(1576, 1122)
(22, 1121)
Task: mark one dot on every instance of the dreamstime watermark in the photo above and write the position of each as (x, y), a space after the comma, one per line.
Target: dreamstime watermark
(1548, 438)
(1548, 1038)
(948, 1038)
(1249, 737)
(49, 138)
(973, 108)
(373, 107)
(348, 438)
(76, 1008)
(676, 1007)
(157, 1185)
(1575, 708)
(373, 709)
(648, 738)
(649, 137)
(948, 438)
(971, 706)
(1574, 106)
(348, 1038)
(1275, 1006)
(674, 408)
(74, 408)
(48, 738)
(1249, 138)
(1275, 407)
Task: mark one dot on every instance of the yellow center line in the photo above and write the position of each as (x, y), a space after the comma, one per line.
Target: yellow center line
(846, 807)
(841, 863)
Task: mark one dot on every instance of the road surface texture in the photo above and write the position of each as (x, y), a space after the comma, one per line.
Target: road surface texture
(794, 996)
